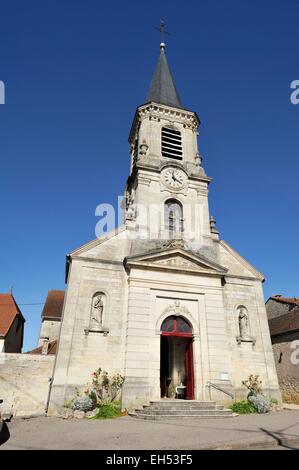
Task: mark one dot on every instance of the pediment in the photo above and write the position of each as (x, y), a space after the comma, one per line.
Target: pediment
(175, 259)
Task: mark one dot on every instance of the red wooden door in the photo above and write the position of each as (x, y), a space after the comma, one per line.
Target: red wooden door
(189, 371)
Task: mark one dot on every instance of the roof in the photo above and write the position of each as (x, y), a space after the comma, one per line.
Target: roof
(162, 88)
(54, 304)
(285, 300)
(9, 310)
(52, 348)
(285, 323)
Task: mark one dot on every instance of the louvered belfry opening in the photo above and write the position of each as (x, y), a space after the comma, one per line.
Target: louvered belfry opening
(171, 143)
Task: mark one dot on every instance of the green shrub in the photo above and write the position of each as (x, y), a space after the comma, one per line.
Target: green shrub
(273, 401)
(108, 411)
(243, 407)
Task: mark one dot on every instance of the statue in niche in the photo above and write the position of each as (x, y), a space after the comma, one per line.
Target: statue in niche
(243, 323)
(97, 312)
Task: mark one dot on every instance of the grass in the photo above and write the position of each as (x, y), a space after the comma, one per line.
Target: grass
(243, 407)
(109, 411)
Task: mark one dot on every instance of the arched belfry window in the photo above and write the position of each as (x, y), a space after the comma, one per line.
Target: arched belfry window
(173, 214)
(171, 143)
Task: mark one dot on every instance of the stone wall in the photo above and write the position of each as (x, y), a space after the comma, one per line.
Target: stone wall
(82, 351)
(25, 381)
(286, 353)
(276, 309)
(254, 357)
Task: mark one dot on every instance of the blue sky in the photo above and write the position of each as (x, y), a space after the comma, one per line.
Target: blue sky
(74, 73)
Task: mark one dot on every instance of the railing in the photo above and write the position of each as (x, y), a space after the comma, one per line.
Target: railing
(230, 394)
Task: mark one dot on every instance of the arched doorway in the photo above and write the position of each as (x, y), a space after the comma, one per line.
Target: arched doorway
(176, 358)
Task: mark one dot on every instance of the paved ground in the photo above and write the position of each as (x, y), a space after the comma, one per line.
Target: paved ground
(255, 431)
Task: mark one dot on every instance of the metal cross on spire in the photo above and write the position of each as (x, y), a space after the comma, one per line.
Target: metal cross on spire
(162, 31)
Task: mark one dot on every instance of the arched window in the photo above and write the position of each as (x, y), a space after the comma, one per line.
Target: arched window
(171, 143)
(173, 216)
(176, 326)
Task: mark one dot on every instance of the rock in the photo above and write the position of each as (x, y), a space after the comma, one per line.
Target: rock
(6, 411)
(79, 414)
(66, 413)
(261, 403)
(92, 414)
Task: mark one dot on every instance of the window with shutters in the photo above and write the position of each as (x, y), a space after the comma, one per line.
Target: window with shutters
(171, 143)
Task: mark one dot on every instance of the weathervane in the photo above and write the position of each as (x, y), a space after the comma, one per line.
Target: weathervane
(162, 31)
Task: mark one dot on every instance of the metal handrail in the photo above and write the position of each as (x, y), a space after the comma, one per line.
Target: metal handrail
(210, 384)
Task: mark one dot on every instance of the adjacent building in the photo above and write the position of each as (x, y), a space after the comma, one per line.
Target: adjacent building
(11, 325)
(51, 317)
(283, 315)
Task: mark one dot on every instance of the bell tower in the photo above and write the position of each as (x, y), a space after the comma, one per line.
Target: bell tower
(167, 190)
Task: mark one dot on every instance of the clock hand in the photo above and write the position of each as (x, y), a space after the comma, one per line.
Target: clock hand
(175, 178)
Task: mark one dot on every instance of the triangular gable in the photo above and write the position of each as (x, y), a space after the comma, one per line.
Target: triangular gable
(236, 264)
(177, 259)
(88, 247)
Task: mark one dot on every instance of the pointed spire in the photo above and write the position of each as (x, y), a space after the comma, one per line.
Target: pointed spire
(162, 89)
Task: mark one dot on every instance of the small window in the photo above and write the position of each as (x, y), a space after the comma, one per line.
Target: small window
(171, 143)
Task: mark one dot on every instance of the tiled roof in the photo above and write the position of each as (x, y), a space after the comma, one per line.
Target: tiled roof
(286, 300)
(54, 304)
(52, 348)
(8, 312)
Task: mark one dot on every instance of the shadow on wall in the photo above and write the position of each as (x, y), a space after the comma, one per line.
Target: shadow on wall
(4, 434)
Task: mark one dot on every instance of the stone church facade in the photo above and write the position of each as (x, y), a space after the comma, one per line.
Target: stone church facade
(162, 299)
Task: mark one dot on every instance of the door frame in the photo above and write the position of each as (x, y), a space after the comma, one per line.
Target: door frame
(189, 362)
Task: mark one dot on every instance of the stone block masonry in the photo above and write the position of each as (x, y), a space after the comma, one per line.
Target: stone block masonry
(25, 381)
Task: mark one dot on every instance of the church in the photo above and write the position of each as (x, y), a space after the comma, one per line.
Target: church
(163, 299)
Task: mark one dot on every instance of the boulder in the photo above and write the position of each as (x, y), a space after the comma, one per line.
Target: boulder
(6, 411)
(79, 414)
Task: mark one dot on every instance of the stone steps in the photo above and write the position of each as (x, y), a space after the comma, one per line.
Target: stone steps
(183, 412)
(181, 409)
(173, 408)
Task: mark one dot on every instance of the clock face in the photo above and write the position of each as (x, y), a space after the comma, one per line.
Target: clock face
(174, 178)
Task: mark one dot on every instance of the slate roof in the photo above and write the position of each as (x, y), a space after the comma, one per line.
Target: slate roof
(9, 310)
(54, 304)
(162, 88)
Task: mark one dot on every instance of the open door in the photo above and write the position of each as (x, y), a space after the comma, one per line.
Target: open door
(189, 371)
(176, 361)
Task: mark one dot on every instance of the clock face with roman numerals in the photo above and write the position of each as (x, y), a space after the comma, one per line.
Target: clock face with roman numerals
(174, 178)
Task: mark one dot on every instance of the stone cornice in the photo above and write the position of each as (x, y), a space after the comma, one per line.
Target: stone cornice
(159, 111)
(156, 165)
